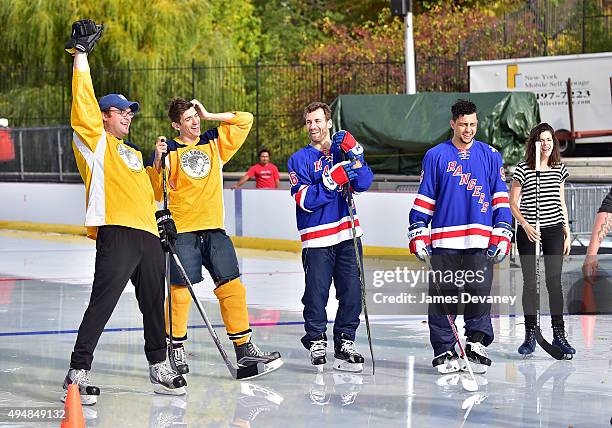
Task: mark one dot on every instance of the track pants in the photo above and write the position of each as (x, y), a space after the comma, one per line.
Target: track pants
(124, 253)
(552, 246)
(454, 266)
(321, 265)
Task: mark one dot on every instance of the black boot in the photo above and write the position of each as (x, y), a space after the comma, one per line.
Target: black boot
(529, 345)
(560, 341)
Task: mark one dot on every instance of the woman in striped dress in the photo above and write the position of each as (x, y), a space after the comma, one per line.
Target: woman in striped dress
(554, 231)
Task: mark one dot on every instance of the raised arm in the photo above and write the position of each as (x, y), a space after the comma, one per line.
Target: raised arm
(233, 130)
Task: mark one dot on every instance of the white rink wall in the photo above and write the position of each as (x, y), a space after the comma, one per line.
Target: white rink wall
(253, 213)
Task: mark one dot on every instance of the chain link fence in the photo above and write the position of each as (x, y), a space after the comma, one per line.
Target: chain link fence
(277, 93)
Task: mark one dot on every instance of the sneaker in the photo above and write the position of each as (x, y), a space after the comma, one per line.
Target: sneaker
(477, 355)
(165, 380)
(318, 348)
(89, 393)
(248, 354)
(347, 357)
(180, 359)
(448, 362)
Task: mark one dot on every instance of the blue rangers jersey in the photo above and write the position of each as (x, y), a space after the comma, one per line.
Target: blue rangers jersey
(463, 194)
(322, 215)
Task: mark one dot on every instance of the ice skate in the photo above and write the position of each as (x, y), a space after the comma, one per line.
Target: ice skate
(165, 380)
(448, 362)
(560, 341)
(180, 359)
(318, 351)
(248, 354)
(89, 393)
(528, 346)
(478, 357)
(346, 356)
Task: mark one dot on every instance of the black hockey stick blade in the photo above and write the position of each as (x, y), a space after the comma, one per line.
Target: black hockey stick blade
(550, 349)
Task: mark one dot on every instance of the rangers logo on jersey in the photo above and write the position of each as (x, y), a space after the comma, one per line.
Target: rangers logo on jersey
(195, 163)
(130, 158)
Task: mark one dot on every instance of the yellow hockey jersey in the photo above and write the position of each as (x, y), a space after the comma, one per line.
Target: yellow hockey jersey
(195, 181)
(118, 190)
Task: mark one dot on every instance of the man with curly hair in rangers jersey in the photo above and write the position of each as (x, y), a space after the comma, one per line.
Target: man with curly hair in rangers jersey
(463, 194)
(319, 179)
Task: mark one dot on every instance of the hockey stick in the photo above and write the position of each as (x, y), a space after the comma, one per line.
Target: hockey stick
(167, 263)
(349, 200)
(247, 372)
(468, 384)
(552, 350)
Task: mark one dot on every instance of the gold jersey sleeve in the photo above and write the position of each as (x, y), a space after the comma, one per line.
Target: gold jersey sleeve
(117, 188)
(195, 179)
(233, 134)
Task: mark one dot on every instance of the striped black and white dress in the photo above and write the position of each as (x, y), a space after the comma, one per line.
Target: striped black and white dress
(551, 213)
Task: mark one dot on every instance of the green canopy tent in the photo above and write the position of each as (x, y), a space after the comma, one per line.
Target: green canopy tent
(397, 130)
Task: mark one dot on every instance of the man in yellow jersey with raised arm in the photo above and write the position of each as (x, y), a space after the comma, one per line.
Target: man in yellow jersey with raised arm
(120, 216)
(195, 162)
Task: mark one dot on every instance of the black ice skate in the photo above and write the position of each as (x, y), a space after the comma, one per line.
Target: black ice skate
(529, 345)
(248, 354)
(89, 393)
(476, 353)
(180, 359)
(560, 341)
(165, 380)
(318, 348)
(448, 362)
(347, 357)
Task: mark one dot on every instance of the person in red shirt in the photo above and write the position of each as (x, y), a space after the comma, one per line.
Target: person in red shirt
(265, 173)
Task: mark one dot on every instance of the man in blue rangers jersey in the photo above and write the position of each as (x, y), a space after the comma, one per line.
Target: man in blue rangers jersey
(463, 194)
(319, 178)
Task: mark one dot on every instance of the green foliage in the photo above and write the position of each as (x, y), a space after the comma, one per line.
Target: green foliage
(154, 50)
(150, 32)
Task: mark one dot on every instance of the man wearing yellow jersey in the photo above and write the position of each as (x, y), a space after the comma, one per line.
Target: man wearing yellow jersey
(195, 162)
(120, 216)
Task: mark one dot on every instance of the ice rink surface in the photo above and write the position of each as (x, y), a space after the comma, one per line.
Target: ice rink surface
(45, 282)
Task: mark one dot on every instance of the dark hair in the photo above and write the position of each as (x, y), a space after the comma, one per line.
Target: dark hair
(264, 150)
(534, 135)
(316, 106)
(461, 108)
(177, 107)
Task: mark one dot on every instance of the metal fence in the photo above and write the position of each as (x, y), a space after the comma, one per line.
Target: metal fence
(582, 205)
(40, 154)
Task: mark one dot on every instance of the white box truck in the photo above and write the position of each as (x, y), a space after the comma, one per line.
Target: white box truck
(591, 80)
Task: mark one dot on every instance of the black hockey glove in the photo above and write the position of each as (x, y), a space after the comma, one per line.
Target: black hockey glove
(166, 229)
(85, 34)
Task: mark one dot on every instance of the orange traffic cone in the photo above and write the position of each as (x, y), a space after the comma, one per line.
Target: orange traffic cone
(73, 412)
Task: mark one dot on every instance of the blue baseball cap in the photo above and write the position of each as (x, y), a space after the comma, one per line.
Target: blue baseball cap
(117, 101)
